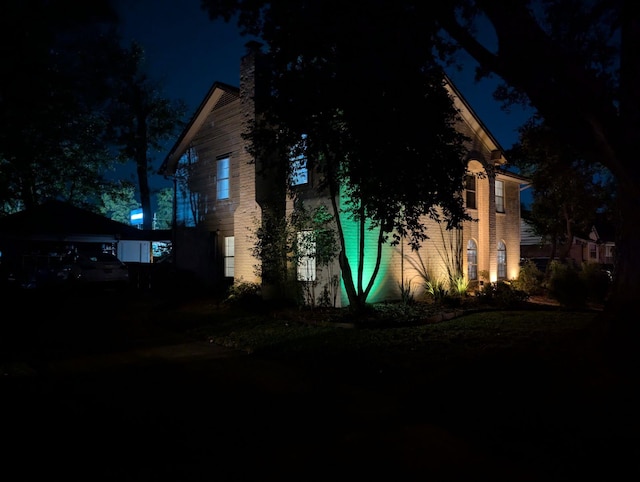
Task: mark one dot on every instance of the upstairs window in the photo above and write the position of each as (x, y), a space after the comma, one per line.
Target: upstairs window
(222, 178)
(470, 191)
(500, 196)
(298, 163)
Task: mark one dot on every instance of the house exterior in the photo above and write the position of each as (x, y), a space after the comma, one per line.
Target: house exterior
(595, 246)
(220, 200)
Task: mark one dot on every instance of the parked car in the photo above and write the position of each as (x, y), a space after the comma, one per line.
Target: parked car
(95, 269)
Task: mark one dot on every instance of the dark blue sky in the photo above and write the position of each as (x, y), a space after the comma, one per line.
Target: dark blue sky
(187, 53)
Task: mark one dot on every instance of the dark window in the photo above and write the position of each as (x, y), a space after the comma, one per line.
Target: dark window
(298, 160)
(500, 196)
(472, 260)
(470, 187)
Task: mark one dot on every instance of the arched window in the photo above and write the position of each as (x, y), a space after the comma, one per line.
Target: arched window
(472, 260)
(502, 260)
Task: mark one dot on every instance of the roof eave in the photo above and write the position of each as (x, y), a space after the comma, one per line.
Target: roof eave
(170, 163)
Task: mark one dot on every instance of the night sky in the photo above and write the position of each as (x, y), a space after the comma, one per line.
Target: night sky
(187, 53)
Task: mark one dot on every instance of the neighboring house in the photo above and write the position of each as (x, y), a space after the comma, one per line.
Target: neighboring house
(595, 246)
(220, 202)
(35, 240)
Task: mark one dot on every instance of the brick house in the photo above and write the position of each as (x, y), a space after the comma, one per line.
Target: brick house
(221, 201)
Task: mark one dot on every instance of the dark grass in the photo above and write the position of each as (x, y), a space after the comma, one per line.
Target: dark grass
(535, 387)
(514, 395)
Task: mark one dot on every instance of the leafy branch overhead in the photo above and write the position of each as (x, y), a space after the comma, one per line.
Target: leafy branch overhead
(378, 123)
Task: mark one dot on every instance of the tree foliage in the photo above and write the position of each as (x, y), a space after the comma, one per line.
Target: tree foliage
(72, 94)
(164, 213)
(377, 122)
(576, 63)
(117, 204)
(56, 64)
(285, 244)
(569, 192)
(141, 119)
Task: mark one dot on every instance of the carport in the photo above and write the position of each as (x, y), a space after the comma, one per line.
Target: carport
(33, 242)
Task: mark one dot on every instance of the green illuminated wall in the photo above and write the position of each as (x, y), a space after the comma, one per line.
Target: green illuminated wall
(380, 289)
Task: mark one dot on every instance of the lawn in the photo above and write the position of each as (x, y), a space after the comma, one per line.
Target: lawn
(532, 387)
(525, 394)
(469, 333)
(393, 340)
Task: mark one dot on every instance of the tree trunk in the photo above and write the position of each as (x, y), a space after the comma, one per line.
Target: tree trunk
(619, 318)
(626, 283)
(376, 269)
(345, 267)
(145, 193)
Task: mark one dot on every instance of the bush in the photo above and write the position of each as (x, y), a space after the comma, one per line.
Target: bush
(566, 285)
(530, 279)
(436, 289)
(596, 280)
(245, 293)
(502, 294)
(460, 285)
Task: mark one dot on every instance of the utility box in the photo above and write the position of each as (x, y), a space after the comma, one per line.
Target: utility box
(134, 251)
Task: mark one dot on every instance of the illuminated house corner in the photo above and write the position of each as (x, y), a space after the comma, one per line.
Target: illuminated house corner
(216, 132)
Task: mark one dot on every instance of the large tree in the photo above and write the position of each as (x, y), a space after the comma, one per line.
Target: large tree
(570, 194)
(575, 62)
(56, 69)
(367, 108)
(142, 118)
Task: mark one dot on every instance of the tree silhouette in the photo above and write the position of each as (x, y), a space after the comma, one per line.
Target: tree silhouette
(374, 121)
(576, 63)
(141, 119)
(569, 192)
(57, 63)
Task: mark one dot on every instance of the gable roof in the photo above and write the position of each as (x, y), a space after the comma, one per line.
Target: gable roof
(57, 220)
(473, 121)
(219, 94)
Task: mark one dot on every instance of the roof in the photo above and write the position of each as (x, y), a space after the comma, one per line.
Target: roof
(60, 220)
(219, 91)
(475, 123)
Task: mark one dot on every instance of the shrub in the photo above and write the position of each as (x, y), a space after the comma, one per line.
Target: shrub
(502, 294)
(244, 292)
(530, 279)
(566, 285)
(437, 290)
(460, 285)
(596, 280)
(406, 295)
